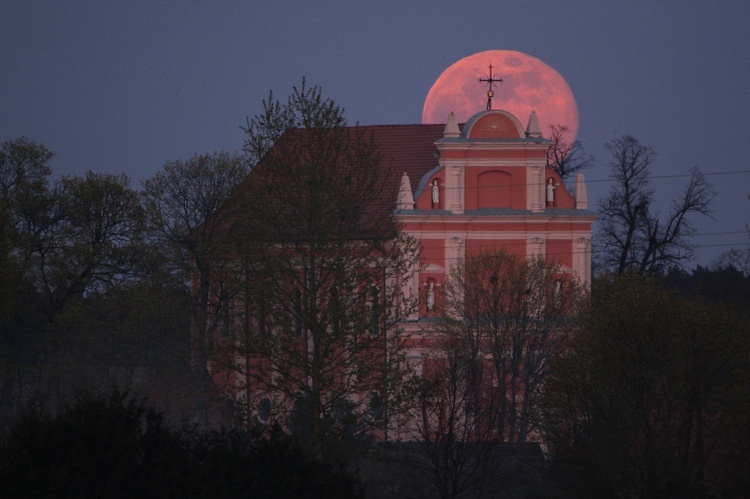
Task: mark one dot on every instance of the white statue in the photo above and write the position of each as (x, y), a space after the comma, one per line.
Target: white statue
(431, 296)
(435, 193)
(551, 191)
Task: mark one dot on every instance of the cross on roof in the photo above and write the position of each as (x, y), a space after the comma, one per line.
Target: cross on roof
(490, 80)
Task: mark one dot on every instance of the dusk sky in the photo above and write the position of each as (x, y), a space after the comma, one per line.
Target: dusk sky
(117, 87)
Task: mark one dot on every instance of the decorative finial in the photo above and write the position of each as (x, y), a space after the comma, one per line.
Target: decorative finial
(490, 80)
(405, 200)
(533, 129)
(582, 200)
(451, 127)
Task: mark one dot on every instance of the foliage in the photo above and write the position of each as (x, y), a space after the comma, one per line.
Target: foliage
(183, 206)
(135, 338)
(183, 202)
(265, 464)
(23, 163)
(631, 236)
(63, 243)
(85, 235)
(23, 174)
(80, 236)
(314, 311)
(97, 447)
(651, 397)
(119, 447)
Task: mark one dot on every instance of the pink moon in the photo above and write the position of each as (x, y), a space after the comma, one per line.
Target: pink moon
(528, 85)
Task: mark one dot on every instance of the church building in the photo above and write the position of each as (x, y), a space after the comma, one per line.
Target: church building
(480, 187)
(459, 191)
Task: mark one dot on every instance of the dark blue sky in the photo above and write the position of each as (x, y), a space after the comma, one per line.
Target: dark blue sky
(111, 86)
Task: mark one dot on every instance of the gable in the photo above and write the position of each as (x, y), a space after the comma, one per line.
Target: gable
(494, 125)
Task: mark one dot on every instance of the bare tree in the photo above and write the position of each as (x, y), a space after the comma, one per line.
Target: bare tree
(456, 420)
(502, 320)
(322, 261)
(734, 257)
(631, 236)
(564, 157)
(517, 310)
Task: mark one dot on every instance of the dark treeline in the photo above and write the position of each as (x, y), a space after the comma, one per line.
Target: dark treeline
(118, 446)
(651, 398)
(93, 293)
(724, 284)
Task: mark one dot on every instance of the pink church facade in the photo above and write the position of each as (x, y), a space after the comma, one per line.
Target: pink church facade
(490, 189)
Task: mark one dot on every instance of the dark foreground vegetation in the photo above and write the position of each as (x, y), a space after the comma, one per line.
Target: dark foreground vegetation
(117, 446)
(652, 397)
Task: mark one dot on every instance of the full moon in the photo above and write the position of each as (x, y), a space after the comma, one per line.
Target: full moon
(527, 85)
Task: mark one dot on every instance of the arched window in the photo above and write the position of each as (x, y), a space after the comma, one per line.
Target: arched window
(264, 410)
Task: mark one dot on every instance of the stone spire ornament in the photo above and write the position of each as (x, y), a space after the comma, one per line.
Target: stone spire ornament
(579, 193)
(533, 130)
(451, 127)
(405, 200)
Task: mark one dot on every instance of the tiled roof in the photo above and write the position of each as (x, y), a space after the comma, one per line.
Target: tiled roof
(406, 148)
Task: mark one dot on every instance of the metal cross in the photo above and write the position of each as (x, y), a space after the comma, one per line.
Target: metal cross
(490, 93)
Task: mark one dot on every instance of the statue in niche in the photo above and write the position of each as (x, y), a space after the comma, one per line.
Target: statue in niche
(431, 296)
(550, 192)
(435, 194)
